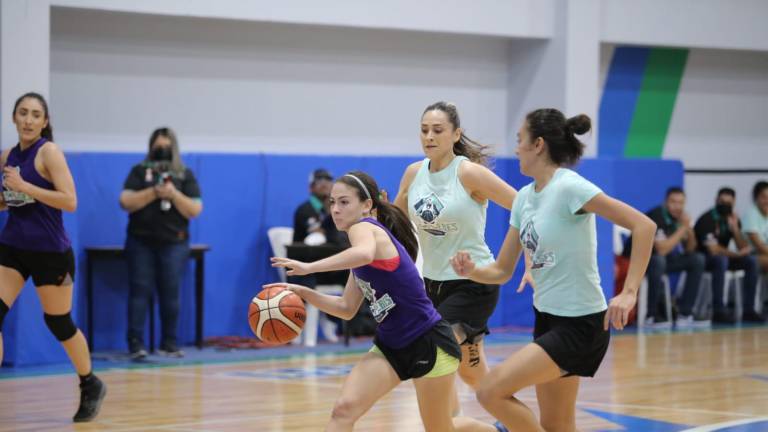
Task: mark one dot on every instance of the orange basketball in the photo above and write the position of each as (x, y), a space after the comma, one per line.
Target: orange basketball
(276, 315)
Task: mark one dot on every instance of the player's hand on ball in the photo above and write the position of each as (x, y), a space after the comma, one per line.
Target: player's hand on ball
(293, 267)
(462, 264)
(297, 289)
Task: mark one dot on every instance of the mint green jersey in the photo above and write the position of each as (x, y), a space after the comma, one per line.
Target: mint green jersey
(562, 243)
(756, 222)
(447, 220)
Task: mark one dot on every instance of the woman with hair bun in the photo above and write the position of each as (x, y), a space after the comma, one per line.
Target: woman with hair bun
(553, 219)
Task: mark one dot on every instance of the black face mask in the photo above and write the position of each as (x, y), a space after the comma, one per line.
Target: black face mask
(162, 153)
(724, 209)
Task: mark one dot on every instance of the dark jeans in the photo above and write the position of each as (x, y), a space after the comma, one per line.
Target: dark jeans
(691, 263)
(151, 266)
(718, 265)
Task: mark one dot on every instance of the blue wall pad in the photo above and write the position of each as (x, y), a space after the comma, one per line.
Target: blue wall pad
(243, 196)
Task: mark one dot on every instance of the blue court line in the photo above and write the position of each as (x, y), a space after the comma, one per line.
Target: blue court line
(746, 425)
(758, 377)
(634, 423)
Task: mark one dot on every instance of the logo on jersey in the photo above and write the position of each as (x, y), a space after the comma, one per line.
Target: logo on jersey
(379, 307)
(14, 198)
(529, 238)
(429, 209)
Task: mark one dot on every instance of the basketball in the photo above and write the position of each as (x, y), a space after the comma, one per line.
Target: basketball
(276, 315)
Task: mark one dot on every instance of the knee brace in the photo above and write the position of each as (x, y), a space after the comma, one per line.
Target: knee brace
(3, 312)
(61, 326)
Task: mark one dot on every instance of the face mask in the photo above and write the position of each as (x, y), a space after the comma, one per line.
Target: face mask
(162, 154)
(724, 209)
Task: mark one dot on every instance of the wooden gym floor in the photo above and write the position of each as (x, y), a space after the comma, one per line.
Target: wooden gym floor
(711, 380)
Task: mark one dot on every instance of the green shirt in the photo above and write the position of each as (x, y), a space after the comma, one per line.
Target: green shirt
(562, 243)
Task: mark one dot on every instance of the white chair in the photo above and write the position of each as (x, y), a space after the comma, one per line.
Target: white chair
(733, 278)
(642, 301)
(279, 237)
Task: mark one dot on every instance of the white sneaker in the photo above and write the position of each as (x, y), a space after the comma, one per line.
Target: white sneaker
(328, 328)
(651, 322)
(702, 323)
(684, 321)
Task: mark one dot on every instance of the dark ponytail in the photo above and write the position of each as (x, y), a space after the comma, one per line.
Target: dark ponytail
(47, 131)
(471, 149)
(389, 215)
(559, 133)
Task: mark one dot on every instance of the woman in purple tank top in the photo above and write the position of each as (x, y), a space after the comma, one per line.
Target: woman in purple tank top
(36, 186)
(412, 340)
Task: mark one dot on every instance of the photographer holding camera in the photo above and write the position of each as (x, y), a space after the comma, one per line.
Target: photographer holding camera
(161, 195)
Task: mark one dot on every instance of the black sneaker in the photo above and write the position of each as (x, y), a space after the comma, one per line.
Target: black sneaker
(723, 317)
(753, 316)
(136, 350)
(91, 396)
(170, 350)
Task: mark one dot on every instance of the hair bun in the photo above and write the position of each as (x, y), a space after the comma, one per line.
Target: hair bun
(579, 124)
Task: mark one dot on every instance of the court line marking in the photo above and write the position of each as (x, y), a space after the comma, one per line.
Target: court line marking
(658, 408)
(718, 426)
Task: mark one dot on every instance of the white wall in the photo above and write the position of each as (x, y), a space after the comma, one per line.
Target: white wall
(702, 188)
(509, 18)
(721, 113)
(728, 24)
(23, 61)
(237, 86)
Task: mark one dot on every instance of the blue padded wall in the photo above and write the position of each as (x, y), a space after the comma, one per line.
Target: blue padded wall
(243, 196)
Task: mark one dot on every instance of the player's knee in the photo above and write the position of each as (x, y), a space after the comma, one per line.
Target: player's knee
(3, 312)
(487, 393)
(61, 326)
(346, 410)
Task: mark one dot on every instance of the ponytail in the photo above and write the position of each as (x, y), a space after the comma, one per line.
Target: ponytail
(399, 225)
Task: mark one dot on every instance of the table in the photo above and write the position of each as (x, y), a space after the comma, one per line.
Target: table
(196, 252)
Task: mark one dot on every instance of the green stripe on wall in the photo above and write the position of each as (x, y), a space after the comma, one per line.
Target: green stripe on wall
(656, 101)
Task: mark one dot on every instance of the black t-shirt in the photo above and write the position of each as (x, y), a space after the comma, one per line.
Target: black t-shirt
(666, 225)
(306, 218)
(712, 226)
(151, 223)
